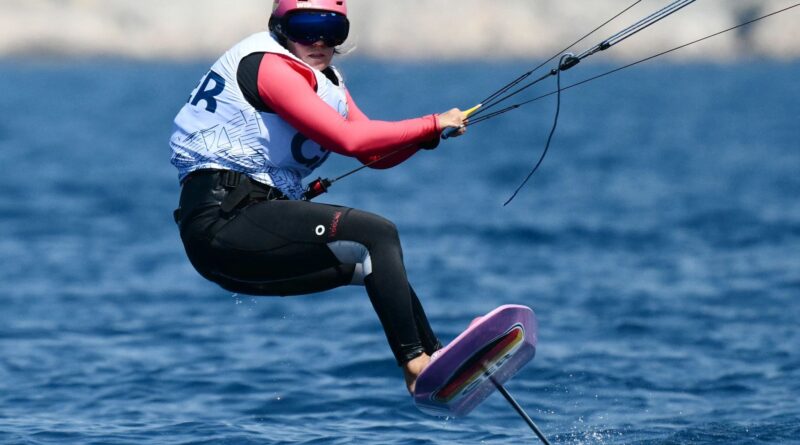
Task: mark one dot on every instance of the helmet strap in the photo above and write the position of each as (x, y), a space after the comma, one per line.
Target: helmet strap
(276, 28)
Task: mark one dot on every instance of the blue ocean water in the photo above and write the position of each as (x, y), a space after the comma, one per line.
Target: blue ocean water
(659, 246)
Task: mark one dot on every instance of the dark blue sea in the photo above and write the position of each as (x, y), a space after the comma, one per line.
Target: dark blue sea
(659, 246)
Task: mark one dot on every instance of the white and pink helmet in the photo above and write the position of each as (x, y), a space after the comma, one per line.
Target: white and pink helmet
(281, 7)
(310, 21)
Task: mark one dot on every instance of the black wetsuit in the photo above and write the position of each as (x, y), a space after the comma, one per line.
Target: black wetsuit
(250, 239)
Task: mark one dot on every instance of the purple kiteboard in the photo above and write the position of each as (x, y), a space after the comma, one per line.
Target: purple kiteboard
(464, 373)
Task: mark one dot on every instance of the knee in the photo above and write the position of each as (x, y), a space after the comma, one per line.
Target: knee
(386, 229)
(374, 229)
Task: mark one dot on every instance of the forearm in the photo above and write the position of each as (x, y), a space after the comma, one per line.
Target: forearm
(391, 159)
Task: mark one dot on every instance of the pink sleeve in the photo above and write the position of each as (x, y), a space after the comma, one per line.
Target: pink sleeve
(288, 88)
(355, 114)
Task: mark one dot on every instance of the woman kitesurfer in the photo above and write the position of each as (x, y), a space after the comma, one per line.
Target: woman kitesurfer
(268, 113)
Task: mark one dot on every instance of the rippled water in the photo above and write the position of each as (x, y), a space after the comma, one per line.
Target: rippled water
(658, 245)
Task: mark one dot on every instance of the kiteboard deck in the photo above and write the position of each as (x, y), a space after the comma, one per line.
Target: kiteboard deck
(486, 355)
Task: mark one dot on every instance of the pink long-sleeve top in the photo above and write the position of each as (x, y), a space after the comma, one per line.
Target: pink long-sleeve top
(289, 89)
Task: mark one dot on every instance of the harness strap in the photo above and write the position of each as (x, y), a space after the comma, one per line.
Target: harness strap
(244, 190)
(239, 193)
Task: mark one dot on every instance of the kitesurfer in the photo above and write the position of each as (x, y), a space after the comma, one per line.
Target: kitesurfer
(268, 113)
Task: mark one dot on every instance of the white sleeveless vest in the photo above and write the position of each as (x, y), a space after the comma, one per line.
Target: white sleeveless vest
(219, 129)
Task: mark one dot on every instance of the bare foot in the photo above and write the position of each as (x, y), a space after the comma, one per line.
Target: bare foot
(413, 369)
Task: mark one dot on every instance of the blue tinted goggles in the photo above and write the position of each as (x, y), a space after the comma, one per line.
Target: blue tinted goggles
(309, 27)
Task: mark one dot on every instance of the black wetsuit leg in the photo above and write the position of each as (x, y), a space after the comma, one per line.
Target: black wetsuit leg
(429, 340)
(281, 247)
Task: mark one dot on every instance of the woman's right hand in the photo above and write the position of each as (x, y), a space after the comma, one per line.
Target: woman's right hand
(453, 118)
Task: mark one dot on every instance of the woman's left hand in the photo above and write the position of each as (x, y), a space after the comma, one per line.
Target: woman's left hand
(453, 118)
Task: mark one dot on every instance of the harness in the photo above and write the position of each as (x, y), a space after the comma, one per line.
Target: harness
(227, 189)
